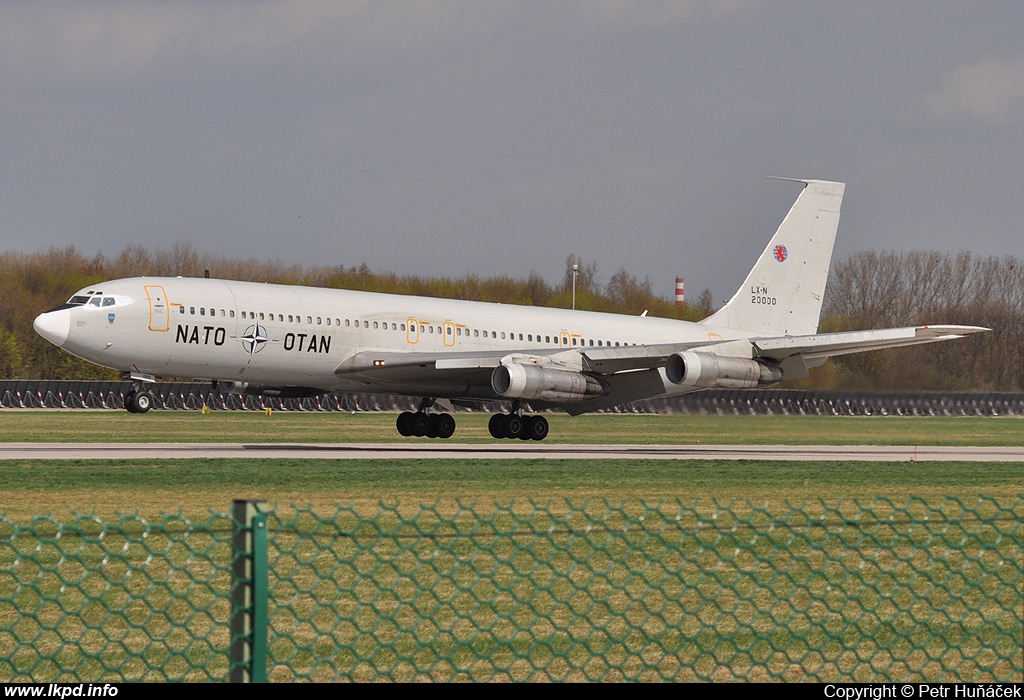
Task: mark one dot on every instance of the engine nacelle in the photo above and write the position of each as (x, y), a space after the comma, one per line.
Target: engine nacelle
(707, 371)
(516, 381)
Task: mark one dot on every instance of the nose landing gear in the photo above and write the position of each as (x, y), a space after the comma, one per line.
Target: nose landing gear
(138, 401)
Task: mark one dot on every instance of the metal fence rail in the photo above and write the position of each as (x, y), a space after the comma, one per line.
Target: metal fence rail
(196, 395)
(553, 590)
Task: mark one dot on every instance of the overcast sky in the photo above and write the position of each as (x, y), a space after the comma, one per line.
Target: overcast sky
(446, 138)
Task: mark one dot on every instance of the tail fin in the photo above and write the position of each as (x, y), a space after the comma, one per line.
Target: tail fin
(783, 292)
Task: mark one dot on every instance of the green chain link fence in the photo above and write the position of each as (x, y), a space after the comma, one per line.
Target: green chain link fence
(554, 590)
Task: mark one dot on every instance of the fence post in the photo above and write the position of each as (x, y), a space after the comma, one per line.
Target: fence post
(249, 592)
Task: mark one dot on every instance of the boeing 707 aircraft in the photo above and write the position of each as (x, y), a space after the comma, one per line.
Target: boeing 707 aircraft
(295, 341)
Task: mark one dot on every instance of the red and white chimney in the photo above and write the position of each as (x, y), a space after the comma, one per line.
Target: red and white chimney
(680, 296)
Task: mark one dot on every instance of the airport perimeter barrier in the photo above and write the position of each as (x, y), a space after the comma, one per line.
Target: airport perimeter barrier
(196, 395)
(912, 591)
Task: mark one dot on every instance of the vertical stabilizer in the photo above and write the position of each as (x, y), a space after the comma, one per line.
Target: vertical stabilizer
(783, 292)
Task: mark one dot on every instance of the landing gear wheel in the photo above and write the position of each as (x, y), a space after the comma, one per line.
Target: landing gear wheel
(420, 424)
(442, 425)
(514, 426)
(143, 401)
(496, 426)
(404, 424)
(536, 428)
(138, 401)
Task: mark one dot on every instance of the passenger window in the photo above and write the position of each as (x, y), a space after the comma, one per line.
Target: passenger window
(261, 316)
(375, 326)
(448, 330)
(231, 314)
(181, 309)
(403, 326)
(191, 311)
(202, 311)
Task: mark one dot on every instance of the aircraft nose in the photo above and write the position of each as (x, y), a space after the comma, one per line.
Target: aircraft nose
(54, 326)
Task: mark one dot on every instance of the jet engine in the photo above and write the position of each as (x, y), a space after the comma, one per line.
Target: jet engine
(707, 371)
(516, 381)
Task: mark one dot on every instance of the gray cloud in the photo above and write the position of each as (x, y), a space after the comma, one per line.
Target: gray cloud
(451, 137)
(990, 92)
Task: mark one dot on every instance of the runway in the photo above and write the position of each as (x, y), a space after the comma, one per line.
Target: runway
(507, 450)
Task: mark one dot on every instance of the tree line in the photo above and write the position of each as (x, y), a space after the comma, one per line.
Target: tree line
(897, 288)
(867, 290)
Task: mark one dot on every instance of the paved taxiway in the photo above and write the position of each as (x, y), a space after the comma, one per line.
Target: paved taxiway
(506, 450)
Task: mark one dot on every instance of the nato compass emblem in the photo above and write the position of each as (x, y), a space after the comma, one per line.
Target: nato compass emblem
(254, 339)
(780, 253)
(110, 319)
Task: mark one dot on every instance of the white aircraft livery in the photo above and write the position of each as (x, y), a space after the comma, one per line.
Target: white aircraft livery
(297, 341)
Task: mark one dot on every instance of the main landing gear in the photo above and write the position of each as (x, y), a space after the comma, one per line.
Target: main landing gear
(138, 400)
(419, 424)
(423, 424)
(513, 425)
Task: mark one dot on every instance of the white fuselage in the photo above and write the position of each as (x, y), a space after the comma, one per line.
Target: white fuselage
(280, 335)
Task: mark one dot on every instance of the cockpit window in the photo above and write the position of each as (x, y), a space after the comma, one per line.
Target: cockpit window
(78, 300)
(108, 301)
(95, 301)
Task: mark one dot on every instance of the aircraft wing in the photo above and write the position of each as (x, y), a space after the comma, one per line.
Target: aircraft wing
(812, 349)
(605, 360)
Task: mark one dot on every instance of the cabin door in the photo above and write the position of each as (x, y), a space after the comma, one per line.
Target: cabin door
(158, 318)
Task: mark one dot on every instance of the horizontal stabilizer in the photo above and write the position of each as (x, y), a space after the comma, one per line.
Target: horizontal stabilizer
(825, 345)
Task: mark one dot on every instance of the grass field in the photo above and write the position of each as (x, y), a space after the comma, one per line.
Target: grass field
(717, 570)
(193, 486)
(241, 426)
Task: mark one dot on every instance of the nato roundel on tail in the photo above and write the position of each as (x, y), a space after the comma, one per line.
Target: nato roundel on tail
(782, 295)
